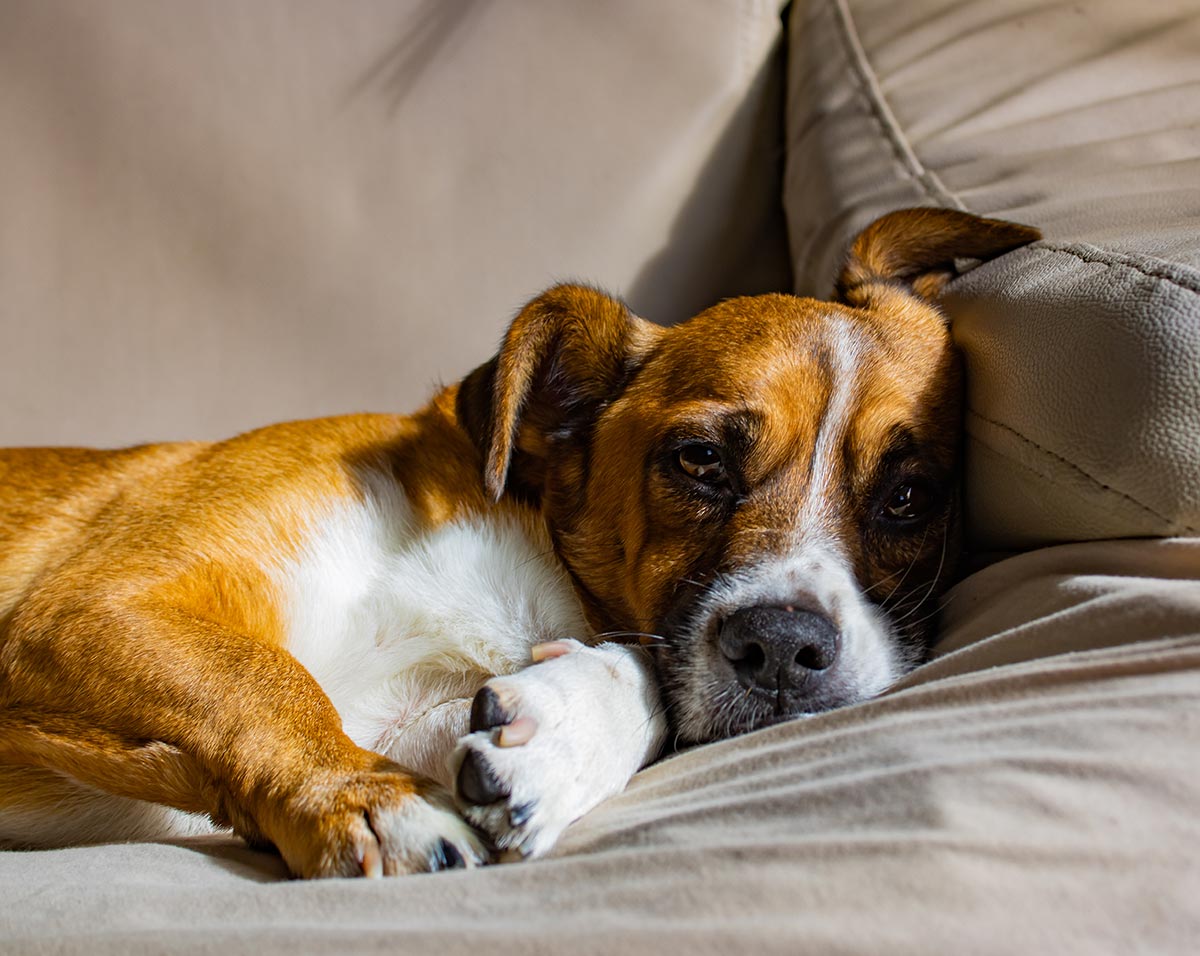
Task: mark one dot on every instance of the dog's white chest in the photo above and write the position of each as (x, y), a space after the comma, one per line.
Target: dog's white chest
(393, 622)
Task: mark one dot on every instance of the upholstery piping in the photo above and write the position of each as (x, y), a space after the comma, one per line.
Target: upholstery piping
(882, 113)
(906, 156)
(1077, 470)
(1179, 276)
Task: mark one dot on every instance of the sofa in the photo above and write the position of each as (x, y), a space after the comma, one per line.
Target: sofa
(218, 215)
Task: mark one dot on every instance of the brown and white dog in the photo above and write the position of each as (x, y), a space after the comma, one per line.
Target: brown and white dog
(315, 632)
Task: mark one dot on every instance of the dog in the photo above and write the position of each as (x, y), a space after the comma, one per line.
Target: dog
(321, 633)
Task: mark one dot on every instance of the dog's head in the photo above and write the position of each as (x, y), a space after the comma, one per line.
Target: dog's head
(769, 487)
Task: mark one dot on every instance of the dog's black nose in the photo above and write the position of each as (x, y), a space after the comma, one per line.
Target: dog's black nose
(778, 648)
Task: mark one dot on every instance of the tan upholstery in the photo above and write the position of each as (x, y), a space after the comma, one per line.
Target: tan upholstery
(1033, 790)
(218, 214)
(1081, 119)
(222, 214)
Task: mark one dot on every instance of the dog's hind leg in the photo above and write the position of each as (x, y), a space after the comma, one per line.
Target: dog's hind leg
(146, 703)
(41, 808)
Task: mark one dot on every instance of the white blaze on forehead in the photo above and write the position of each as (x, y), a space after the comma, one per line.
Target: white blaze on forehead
(847, 346)
(816, 570)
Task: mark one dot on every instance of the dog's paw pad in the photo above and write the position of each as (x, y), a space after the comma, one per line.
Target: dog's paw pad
(488, 711)
(552, 649)
(477, 782)
(446, 856)
(518, 733)
(491, 711)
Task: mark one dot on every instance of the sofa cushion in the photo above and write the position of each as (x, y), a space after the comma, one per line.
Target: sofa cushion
(1034, 788)
(1083, 351)
(221, 214)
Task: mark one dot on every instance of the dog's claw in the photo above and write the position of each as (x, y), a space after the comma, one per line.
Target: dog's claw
(519, 815)
(520, 731)
(371, 862)
(544, 652)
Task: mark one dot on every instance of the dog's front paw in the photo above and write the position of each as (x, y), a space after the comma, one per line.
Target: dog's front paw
(549, 743)
(374, 822)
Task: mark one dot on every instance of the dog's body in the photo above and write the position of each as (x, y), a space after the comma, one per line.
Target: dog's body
(291, 631)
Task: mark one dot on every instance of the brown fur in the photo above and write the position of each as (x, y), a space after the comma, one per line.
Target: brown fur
(140, 631)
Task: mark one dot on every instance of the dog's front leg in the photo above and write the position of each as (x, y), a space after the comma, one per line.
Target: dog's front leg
(145, 702)
(552, 741)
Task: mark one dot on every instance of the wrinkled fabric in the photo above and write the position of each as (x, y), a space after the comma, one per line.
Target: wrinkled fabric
(1034, 788)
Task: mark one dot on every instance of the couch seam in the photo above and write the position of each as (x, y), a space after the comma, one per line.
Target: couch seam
(906, 156)
(1079, 471)
(884, 118)
(1094, 254)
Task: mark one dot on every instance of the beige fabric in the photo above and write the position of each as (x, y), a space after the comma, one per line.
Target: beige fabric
(1033, 789)
(222, 214)
(1081, 119)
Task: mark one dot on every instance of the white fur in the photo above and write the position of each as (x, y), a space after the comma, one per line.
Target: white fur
(399, 629)
(396, 625)
(846, 354)
(814, 572)
(598, 722)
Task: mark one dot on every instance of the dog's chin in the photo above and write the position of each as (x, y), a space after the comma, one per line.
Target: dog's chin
(733, 710)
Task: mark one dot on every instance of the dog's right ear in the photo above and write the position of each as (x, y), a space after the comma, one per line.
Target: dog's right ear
(564, 358)
(915, 250)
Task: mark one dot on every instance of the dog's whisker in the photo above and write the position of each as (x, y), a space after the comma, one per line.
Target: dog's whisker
(616, 636)
(538, 556)
(932, 584)
(882, 581)
(912, 564)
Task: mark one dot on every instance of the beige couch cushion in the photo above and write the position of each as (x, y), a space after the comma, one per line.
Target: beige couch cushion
(1084, 120)
(1034, 789)
(216, 215)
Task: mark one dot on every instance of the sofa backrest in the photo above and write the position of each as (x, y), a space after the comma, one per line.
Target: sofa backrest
(222, 214)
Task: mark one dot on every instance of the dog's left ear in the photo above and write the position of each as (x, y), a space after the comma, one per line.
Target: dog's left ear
(564, 358)
(917, 249)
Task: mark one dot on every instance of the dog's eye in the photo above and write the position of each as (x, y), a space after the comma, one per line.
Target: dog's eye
(909, 501)
(703, 462)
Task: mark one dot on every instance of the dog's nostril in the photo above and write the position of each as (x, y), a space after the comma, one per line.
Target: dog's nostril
(748, 654)
(748, 660)
(814, 657)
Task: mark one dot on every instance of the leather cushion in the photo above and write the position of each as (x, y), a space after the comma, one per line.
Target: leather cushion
(1083, 352)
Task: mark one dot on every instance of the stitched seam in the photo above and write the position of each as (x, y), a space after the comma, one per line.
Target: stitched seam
(1079, 471)
(884, 118)
(1099, 256)
(906, 157)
